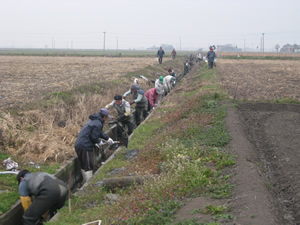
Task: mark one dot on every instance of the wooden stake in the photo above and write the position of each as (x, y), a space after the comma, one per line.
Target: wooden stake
(70, 192)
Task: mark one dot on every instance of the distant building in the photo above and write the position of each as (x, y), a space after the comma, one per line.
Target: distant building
(290, 48)
(228, 48)
(164, 47)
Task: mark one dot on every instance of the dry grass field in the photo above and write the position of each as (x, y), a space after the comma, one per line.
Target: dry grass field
(261, 80)
(34, 133)
(29, 78)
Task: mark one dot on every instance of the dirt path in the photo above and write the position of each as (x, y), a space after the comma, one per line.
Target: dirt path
(251, 202)
(266, 141)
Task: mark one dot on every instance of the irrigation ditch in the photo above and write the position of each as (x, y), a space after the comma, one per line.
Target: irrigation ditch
(70, 173)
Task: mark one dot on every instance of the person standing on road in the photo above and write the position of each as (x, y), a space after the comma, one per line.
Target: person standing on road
(49, 195)
(141, 102)
(211, 57)
(88, 137)
(124, 113)
(160, 54)
(173, 54)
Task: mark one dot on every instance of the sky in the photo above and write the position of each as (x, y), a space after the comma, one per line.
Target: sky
(140, 24)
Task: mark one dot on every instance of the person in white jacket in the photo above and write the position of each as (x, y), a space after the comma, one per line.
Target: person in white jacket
(168, 83)
(159, 85)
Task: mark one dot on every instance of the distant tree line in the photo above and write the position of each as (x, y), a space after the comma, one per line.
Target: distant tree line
(288, 48)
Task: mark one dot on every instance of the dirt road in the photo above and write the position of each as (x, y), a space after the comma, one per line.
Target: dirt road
(266, 141)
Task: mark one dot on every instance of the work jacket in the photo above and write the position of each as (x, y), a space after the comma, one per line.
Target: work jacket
(138, 96)
(152, 96)
(160, 53)
(91, 133)
(211, 56)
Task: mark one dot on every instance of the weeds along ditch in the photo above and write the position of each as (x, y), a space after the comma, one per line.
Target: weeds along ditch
(44, 132)
(180, 152)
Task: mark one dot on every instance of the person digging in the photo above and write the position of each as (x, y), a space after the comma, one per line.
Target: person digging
(88, 137)
(125, 118)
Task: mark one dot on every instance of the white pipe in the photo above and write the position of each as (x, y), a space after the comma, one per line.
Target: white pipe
(9, 172)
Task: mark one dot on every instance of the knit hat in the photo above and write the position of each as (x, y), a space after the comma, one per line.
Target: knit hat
(118, 97)
(161, 79)
(21, 174)
(105, 112)
(133, 87)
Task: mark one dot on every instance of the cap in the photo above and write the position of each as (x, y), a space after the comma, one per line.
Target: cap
(118, 97)
(161, 79)
(21, 174)
(105, 112)
(211, 48)
(133, 87)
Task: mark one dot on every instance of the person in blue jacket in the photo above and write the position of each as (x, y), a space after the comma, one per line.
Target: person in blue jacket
(88, 137)
(211, 57)
(160, 54)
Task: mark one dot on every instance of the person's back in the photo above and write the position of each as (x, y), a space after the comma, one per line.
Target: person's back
(152, 96)
(41, 181)
(90, 133)
(50, 194)
(168, 82)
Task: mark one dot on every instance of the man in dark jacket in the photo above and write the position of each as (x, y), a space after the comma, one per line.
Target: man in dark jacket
(211, 57)
(49, 194)
(160, 54)
(88, 137)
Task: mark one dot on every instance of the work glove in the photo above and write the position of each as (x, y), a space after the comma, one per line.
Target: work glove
(99, 144)
(121, 117)
(110, 141)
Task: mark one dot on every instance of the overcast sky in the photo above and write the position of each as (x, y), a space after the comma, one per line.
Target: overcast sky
(189, 24)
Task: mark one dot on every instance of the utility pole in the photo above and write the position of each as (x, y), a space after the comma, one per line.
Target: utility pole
(117, 43)
(244, 45)
(260, 44)
(180, 43)
(104, 42)
(263, 43)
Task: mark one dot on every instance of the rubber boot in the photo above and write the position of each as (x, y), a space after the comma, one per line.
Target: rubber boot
(83, 176)
(89, 175)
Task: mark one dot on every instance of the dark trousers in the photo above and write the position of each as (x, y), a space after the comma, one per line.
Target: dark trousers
(160, 60)
(85, 159)
(52, 197)
(129, 124)
(210, 65)
(140, 113)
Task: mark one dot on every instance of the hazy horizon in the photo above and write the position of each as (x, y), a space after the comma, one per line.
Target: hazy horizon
(138, 24)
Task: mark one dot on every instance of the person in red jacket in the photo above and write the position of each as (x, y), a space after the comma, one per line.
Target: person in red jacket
(152, 97)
